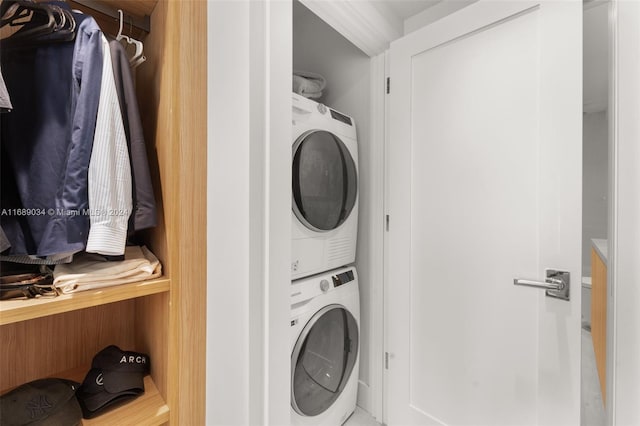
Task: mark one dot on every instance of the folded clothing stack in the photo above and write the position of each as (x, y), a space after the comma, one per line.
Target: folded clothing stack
(30, 282)
(116, 376)
(308, 84)
(90, 271)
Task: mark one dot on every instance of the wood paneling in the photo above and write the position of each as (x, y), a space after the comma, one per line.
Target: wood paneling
(599, 317)
(172, 93)
(133, 7)
(191, 58)
(152, 323)
(44, 346)
(153, 86)
(168, 322)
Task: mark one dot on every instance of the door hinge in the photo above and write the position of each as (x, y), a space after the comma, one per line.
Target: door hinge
(388, 84)
(387, 223)
(386, 360)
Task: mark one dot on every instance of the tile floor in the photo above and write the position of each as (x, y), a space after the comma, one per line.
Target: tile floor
(592, 411)
(361, 418)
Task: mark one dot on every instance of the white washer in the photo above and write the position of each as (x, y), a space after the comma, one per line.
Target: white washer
(325, 346)
(324, 188)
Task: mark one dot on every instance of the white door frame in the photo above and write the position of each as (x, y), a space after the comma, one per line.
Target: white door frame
(249, 212)
(375, 399)
(623, 307)
(366, 28)
(623, 345)
(268, 369)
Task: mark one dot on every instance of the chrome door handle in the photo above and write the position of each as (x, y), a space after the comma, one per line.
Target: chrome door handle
(556, 283)
(549, 284)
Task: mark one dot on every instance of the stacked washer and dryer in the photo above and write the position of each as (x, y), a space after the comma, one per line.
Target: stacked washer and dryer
(325, 301)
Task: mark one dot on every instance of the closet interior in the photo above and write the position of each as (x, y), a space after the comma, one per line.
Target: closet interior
(319, 48)
(163, 317)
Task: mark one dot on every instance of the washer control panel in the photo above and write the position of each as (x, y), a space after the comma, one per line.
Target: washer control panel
(342, 278)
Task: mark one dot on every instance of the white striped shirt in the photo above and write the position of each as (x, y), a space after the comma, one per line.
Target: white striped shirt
(110, 200)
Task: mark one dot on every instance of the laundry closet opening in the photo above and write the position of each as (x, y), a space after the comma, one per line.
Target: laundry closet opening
(320, 49)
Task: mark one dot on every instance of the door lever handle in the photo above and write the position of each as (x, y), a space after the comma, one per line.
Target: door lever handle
(556, 283)
(549, 284)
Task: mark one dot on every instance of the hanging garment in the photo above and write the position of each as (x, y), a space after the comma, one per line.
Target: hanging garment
(5, 101)
(4, 241)
(109, 183)
(48, 138)
(144, 205)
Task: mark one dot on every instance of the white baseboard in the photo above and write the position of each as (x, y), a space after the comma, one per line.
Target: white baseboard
(364, 397)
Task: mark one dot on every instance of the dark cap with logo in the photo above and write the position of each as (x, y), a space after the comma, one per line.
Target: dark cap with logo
(116, 376)
(41, 402)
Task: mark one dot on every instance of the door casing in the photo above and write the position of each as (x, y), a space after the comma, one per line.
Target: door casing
(624, 274)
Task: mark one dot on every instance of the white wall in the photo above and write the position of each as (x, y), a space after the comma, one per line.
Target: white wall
(594, 183)
(319, 48)
(248, 212)
(228, 246)
(595, 48)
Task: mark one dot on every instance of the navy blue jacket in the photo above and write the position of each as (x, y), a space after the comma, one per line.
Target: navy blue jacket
(47, 140)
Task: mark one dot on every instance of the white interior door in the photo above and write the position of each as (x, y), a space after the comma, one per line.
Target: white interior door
(484, 165)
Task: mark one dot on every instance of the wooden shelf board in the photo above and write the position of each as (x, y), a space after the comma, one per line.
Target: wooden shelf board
(149, 409)
(137, 8)
(12, 311)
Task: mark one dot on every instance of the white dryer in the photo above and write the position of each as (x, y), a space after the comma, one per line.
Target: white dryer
(324, 188)
(325, 346)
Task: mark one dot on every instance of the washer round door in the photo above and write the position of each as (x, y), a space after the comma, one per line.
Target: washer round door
(325, 182)
(323, 359)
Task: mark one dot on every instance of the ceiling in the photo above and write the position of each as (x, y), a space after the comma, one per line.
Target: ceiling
(371, 25)
(404, 9)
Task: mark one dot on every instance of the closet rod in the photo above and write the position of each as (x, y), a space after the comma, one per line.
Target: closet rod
(141, 23)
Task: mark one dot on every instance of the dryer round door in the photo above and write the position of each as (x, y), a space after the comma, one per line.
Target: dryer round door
(323, 359)
(325, 181)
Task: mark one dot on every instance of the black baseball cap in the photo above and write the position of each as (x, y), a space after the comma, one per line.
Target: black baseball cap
(121, 370)
(116, 376)
(94, 398)
(50, 402)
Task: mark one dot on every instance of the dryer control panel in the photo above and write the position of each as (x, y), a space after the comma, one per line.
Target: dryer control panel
(341, 117)
(342, 278)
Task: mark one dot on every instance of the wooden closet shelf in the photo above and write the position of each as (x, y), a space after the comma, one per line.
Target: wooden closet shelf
(137, 15)
(149, 409)
(137, 7)
(93, 6)
(12, 311)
